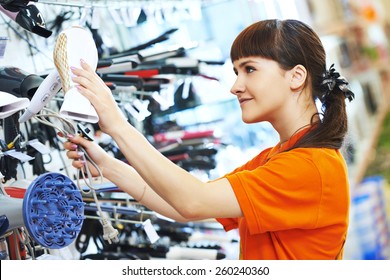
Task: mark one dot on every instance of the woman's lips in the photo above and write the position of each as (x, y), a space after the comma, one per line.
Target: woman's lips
(244, 100)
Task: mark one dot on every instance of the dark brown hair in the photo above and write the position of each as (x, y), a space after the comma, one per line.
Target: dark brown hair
(289, 43)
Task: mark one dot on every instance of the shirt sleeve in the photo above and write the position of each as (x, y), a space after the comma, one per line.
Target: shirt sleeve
(282, 194)
(232, 223)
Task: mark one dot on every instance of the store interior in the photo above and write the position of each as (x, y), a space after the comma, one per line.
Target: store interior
(167, 64)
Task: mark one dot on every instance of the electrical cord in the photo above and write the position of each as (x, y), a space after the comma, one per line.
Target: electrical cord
(110, 234)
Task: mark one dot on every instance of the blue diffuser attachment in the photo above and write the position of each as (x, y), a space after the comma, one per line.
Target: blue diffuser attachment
(53, 210)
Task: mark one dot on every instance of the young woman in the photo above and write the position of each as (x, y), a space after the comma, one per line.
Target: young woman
(291, 201)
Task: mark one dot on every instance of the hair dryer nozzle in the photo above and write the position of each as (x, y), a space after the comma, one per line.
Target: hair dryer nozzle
(10, 104)
(78, 107)
(18, 82)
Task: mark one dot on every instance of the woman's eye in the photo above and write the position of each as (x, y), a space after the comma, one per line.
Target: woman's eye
(249, 69)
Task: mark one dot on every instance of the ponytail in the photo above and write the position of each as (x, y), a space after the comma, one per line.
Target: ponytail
(330, 130)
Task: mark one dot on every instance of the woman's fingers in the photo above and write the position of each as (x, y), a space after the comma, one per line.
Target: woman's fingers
(84, 83)
(77, 140)
(84, 77)
(70, 146)
(88, 93)
(85, 65)
(90, 84)
(74, 154)
(78, 164)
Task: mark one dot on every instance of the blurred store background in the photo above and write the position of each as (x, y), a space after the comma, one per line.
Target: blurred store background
(187, 44)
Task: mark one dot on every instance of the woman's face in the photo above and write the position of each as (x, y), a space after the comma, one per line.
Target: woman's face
(262, 89)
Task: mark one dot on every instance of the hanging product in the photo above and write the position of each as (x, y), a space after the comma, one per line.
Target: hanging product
(26, 15)
(18, 82)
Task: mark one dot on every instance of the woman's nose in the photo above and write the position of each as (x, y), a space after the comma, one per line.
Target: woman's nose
(237, 87)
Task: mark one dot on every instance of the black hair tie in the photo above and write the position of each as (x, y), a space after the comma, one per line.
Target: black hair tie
(331, 78)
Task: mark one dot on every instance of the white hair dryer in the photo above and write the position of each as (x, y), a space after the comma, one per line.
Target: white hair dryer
(10, 104)
(73, 44)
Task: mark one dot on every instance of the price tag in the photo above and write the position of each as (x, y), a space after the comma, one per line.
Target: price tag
(150, 231)
(43, 149)
(18, 155)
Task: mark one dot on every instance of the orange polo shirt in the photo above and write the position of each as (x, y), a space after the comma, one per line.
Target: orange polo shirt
(295, 204)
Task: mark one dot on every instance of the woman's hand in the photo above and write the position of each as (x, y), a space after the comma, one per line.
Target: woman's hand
(111, 118)
(94, 151)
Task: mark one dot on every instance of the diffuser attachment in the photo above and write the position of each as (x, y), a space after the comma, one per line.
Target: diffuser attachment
(53, 210)
(73, 44)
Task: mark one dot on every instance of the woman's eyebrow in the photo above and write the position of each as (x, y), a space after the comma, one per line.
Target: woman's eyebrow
(242, 64)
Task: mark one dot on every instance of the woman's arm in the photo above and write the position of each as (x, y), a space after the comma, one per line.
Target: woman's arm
(126, 178)
(189, 196)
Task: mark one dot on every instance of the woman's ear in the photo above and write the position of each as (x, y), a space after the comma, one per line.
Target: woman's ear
(298, 77)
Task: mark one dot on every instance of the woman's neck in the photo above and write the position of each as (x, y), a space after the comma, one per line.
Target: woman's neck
(284, 141)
